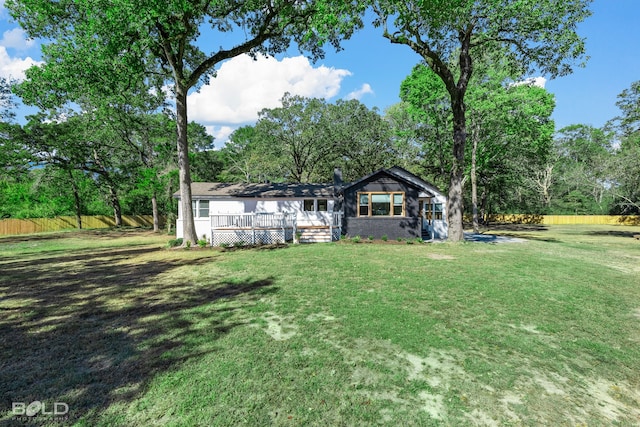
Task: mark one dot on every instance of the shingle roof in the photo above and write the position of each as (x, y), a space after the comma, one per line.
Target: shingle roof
(225, 190)
(402, 175)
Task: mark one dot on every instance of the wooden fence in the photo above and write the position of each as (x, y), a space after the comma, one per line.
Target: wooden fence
(38, 225)
(564, 219)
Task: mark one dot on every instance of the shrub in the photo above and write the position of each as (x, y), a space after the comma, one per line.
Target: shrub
(202, 243)
(174, 242)
(355, 239)
(399, 239)
(384, 238)
(370, 237)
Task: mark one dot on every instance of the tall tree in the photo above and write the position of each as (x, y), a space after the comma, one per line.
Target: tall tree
(509, 126)
(306, 138)
(581, 174)
(534, 35)
(625, 163)
(160, 39)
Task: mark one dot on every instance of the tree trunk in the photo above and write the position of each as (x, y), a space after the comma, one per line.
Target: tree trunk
(474, 183)
(76, 199)
(455, 203)
(188, 223)
(154, 208)
(115, 203)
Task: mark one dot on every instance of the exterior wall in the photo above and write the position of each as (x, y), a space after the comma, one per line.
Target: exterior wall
(282, 205)
(439, 228)
(407, 226)
(393, 228)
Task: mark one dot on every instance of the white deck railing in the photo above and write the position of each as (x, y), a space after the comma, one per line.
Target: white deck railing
(253, 227)
(252, 221)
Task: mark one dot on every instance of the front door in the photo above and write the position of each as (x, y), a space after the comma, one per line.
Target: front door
(425, 216)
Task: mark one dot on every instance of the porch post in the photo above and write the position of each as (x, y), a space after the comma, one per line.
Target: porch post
(253, 228)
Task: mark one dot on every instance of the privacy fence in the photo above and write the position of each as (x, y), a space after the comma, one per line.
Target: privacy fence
(38, 225)
(564, 219)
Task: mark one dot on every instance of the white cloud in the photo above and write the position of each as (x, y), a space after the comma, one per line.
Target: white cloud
(220, 133)
(16, 39)
(358, 94)
(14, 68)
(243, 87)
(533, 81)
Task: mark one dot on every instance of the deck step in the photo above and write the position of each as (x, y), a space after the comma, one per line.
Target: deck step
(311, 235)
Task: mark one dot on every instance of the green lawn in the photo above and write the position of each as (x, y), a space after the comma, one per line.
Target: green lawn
(128, 333)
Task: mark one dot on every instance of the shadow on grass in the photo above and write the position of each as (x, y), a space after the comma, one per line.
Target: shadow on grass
(616, 233)
(519, 231)
(93, 329)
(516, 227)
(101, 233)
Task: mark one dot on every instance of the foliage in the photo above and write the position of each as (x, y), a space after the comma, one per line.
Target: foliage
(99, 47)
(509, 127)
(306, 138)
(529, 35)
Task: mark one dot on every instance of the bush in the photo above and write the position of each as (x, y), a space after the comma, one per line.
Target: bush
(355, 239)
(370, 237)
(174, 242)
(385, 238)
(202, 243)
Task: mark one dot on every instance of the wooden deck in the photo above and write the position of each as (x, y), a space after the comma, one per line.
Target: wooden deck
(257, 228)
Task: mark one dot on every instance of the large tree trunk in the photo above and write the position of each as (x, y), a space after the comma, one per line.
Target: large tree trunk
(455, 205)
(154, 208)
(115, 203)
(188, 224)
(474, 181)
(76, 199)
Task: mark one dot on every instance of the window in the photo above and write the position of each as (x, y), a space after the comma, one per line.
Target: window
(364, 205)
(322, 205)
(437, 211)
(380, 204)
(200, 208)
(203, 209)
(397, 204)
(308, 205)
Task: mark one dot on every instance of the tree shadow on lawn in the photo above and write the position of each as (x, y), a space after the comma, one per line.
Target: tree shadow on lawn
(91, 330)
(98, 233)
(519, 230)
(616, 233)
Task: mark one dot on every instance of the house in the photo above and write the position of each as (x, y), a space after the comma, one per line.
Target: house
(391, 202)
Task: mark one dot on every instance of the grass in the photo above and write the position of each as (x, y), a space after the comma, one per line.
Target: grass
(129, 333)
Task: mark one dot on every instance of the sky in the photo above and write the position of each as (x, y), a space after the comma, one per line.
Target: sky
(371, 69)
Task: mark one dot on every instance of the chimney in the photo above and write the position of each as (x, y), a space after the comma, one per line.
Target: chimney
(337, 179)
(337, 189)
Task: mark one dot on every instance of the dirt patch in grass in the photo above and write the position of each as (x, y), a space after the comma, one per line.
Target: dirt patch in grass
(437, 256)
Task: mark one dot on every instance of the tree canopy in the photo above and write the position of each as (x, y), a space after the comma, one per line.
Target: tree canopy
(96, 45)
(530, 35)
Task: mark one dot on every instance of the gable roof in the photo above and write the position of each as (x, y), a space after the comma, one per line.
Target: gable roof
(222, 190)
(399, 174)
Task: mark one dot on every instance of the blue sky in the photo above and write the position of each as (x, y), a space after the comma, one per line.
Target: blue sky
(370, 69)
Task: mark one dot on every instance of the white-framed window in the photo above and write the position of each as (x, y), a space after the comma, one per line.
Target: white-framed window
(315, 205)
(200, 208)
